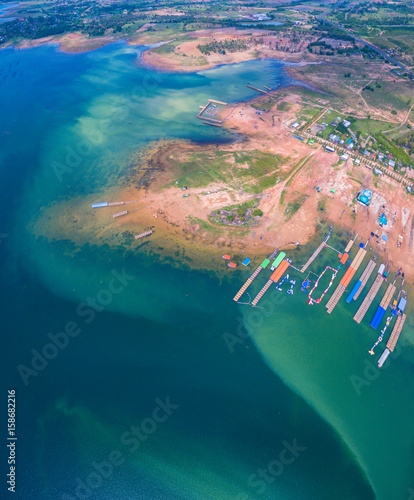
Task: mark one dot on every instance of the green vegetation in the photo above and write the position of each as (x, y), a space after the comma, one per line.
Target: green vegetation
(387, 146)
(284, 106)
(322, 204)
(294, 206)
(252, 171)
(245, 214)
(222, 47)
(301, 163)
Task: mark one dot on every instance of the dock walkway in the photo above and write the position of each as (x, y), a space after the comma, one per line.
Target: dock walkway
(247, 284)
(274, 278)
(316, 252)
(346, 278)
(262, 292)
(364, 278)
(385, 302)
(250, 280)
(392, 341)
(141, 235)
(359, 315)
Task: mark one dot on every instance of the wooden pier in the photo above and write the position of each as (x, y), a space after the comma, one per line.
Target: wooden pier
(218, 102)
(349, 246)
(346, 279)
(392, 341)
(385, 302)
(247, 284)
(313, 256)
(146, 233)
(116, 203)
(359, 315)
(258, 90)
(330, 305)
(119, 214)
(316, 252)
(274, 278)
(267, 88)
(365, 277)
(262, 292)
(212, 124)
(253, 277)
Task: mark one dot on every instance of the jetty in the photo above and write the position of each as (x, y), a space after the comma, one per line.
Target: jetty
(218, 102)
(392, 341)
(110, 204)
(359, 315)
(142, 235)
(119, 214)
(258, 90)
(385, 302)
(267, 88)
(346, 278)
(363, 280)
(250, 280)
(274, 278)
(317, 251)
(207, 120)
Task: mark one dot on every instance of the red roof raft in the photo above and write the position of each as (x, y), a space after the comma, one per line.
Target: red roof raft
(232, 264)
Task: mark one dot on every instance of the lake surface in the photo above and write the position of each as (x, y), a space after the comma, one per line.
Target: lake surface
(160, 335)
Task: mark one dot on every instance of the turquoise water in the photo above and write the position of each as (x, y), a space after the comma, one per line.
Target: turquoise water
(160, 333)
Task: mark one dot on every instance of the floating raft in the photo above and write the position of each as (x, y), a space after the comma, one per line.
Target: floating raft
(111, 204)
(392, 342)
(346, 279)
(369, 298)
(316, 252)
(249, 281)
(385, 302)
(119, 214)
(277, 261)
(146, 233)
(274, 278)
(363, 280)
(247, 284)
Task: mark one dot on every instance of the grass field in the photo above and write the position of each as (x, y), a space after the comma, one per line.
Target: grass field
(252, 171)
(369, 127)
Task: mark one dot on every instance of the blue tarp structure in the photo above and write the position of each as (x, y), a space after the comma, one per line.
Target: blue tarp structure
(246, 262)
(383, 220)
(385, 238)
(365, 197)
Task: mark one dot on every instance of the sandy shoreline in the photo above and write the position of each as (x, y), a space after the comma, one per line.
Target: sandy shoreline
(183, 223)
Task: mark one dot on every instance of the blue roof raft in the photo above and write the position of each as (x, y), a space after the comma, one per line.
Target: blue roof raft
(246, 262)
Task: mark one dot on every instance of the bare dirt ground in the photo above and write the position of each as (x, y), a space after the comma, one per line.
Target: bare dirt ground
(71, 42)
(186, 56)
(183, 222)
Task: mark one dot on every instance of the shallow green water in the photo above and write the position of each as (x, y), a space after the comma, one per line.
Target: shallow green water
(325, 359)
(71, 125)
